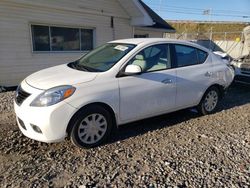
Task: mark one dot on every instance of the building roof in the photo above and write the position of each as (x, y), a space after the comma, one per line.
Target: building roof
(159, 23)
(143, 16)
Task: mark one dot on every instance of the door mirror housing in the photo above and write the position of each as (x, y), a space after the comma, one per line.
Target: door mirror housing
(133, 69)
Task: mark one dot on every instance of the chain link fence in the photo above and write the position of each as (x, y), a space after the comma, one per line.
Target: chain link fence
(230, 42)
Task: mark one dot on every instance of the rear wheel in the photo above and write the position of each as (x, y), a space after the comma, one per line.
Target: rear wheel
(91, 127)
(209, 102)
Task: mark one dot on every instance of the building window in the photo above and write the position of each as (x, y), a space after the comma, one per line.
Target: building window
(141, 36)
(65, 39)
(87, 39)
(51, 38)
(41, 39)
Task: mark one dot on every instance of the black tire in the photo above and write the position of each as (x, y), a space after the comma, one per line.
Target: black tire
(203, 108)
(77, 125)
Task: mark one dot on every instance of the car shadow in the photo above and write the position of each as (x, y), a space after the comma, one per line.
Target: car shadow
(237, 95)
(147, 125)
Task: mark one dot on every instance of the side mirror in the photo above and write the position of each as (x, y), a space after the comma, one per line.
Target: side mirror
(133, 69)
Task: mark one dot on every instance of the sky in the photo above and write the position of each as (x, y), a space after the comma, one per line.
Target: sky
(202, 10)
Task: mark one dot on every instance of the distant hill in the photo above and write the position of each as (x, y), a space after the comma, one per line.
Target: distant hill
(205, 27)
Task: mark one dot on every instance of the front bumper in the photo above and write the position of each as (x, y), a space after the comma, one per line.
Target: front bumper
(242, 76)
(242, 79)
(52, 121)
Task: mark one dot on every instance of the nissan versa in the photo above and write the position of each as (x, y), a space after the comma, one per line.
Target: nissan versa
(119, 82)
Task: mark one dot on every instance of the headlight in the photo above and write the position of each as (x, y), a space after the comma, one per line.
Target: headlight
(53, 96)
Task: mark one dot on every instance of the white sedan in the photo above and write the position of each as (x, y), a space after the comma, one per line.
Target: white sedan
(117, 83)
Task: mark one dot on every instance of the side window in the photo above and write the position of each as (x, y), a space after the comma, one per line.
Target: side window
(187, 55)
(153, 58)
(202, 56)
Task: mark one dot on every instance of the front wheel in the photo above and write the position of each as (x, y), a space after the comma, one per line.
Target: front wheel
(91, 127)
(209, 102)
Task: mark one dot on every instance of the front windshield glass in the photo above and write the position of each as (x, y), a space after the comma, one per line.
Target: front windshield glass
(103, 58)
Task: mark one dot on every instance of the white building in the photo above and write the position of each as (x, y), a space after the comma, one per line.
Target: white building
(36, 34)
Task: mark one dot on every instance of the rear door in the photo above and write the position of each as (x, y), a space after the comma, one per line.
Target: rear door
(194, 74)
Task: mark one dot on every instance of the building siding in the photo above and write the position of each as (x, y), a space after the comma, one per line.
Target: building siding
(149, 32)
(16, 57)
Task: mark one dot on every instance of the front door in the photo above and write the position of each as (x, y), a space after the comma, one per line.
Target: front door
(153, 92)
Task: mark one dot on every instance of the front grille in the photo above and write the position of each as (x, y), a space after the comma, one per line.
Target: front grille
(21, 95)
(245, 69)
(245, 79)
(245, 66)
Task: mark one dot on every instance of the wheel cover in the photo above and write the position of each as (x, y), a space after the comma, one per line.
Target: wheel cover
(211, 101)
(92, 128)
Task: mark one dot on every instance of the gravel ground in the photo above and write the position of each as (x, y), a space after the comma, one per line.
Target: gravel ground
(180, 149)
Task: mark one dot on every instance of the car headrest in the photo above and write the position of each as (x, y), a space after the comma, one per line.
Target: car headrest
(139, 57)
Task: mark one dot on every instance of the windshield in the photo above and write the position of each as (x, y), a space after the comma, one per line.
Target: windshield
(102, 58)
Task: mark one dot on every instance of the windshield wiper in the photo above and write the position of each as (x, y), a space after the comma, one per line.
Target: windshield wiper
(72, 65)
(77, 66)
(81, 67)
(86, 68)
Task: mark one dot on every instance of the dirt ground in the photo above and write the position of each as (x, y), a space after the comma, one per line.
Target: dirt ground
(180, 149)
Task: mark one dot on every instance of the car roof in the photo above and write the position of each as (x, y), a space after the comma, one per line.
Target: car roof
(146, 41)
(141, 40)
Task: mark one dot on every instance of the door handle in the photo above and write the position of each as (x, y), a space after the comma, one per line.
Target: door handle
(208, 74)
(167, 81)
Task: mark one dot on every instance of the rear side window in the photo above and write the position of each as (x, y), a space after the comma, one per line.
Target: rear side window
(187, 55)
(202, 56)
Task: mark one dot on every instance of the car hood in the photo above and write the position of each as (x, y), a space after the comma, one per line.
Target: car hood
(58, 76)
